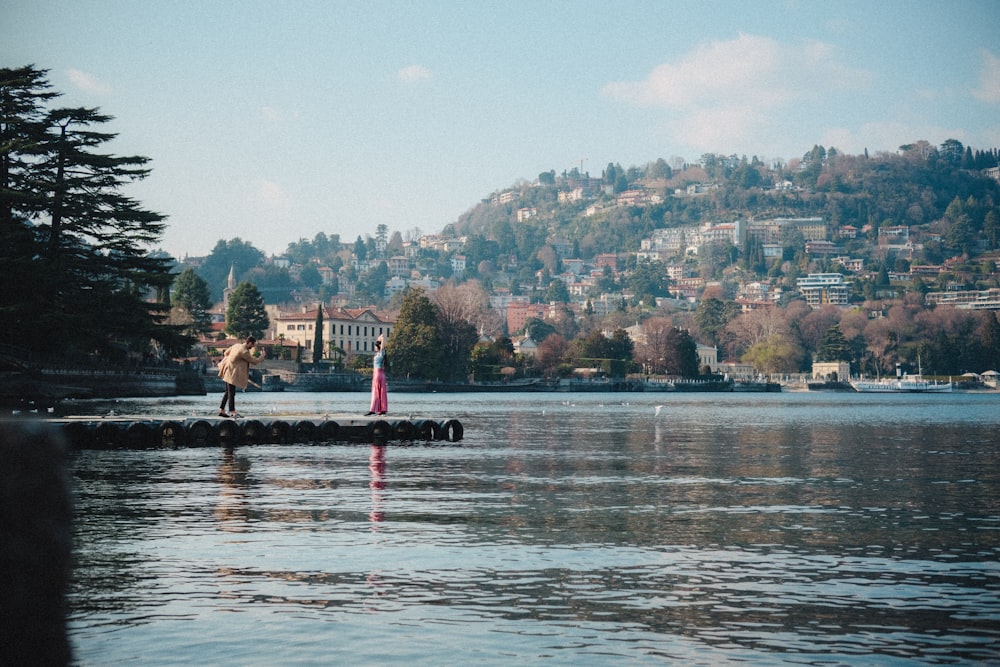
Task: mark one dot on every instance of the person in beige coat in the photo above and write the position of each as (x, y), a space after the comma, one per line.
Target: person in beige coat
(234, 369)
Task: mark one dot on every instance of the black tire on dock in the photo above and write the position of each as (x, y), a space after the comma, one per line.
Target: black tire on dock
(230, 433)
(404, 430)
(80, 435)
(381, 432)
(305, 431)
(172, 434)
(108, 435)
(202, 433)
(254, 432)
(427, 429)
(329, 430)
(140, 435)
(451, 430)
(280, 432)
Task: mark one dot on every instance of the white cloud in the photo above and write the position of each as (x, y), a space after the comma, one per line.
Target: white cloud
(270, 113)
(989, 79)
(719, 127)
(271, 194)
(87, 83)
(722, 93)
(414, 73)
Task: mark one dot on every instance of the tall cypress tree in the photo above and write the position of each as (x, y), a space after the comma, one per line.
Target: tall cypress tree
(318, 335)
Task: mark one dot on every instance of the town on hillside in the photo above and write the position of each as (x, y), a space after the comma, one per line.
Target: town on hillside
(865, 243)
(720, 267)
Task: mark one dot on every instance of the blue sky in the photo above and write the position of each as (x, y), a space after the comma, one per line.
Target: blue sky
(273, 121)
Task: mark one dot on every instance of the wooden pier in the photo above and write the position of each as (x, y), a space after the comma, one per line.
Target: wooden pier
(146, 432)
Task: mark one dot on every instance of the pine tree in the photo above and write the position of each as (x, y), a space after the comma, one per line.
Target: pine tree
(834, 346)
(23, 93)
(70, 232)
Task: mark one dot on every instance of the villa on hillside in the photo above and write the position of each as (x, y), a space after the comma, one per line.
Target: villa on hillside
(353, 330)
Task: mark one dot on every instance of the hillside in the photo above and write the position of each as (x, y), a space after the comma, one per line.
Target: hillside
(914, 187)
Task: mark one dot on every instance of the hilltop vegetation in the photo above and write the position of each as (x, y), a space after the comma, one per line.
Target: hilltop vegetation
(519, 240)
(914, 187)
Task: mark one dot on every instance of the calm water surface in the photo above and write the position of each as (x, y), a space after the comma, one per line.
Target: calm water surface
(565, 529)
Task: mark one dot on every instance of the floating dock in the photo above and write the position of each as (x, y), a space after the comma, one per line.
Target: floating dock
(147, 432)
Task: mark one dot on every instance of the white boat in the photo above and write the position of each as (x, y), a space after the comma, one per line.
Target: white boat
(903, 384)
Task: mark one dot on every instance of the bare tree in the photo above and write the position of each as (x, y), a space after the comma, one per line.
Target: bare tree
(551, 352)
(547, 256)
(657, 345)
(754, 327)
(812, 325)
(880, 341)
(469, 302)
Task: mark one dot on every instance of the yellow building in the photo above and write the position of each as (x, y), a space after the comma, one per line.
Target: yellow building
(353, 330)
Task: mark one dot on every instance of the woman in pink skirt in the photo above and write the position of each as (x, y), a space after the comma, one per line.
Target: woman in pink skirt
(380, 394)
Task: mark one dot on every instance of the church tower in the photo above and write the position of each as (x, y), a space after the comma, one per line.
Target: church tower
(230, 287)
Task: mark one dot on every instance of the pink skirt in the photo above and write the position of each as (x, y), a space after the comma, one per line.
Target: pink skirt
(380, 394)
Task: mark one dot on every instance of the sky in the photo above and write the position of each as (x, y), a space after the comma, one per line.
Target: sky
(274, 121)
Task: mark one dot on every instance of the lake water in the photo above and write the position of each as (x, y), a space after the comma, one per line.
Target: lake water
(565, 529)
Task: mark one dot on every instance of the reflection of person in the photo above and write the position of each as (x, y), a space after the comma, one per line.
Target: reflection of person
(234, 369)
(376, 463)
(231, 508)
(380, 393)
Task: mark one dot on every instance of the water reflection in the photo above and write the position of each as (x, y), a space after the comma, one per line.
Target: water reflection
(710, 534)
(232, 506)
(376, 464)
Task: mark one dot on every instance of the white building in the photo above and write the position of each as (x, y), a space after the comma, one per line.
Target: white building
(352, 330)
(823, 288)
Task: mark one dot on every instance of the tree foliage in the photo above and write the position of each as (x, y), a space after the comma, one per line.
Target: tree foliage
(191, 295)
(489, 358)
(834, 346)
(712, 316)
(462, 312)
(647, 282)
(68, 229)
(235, 255)
(667, 349)
(613, 354)
(538, 330)
(245, 315)
(414, 344)
(318, 335)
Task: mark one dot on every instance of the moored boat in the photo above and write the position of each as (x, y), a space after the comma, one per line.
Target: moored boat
(905, 384)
